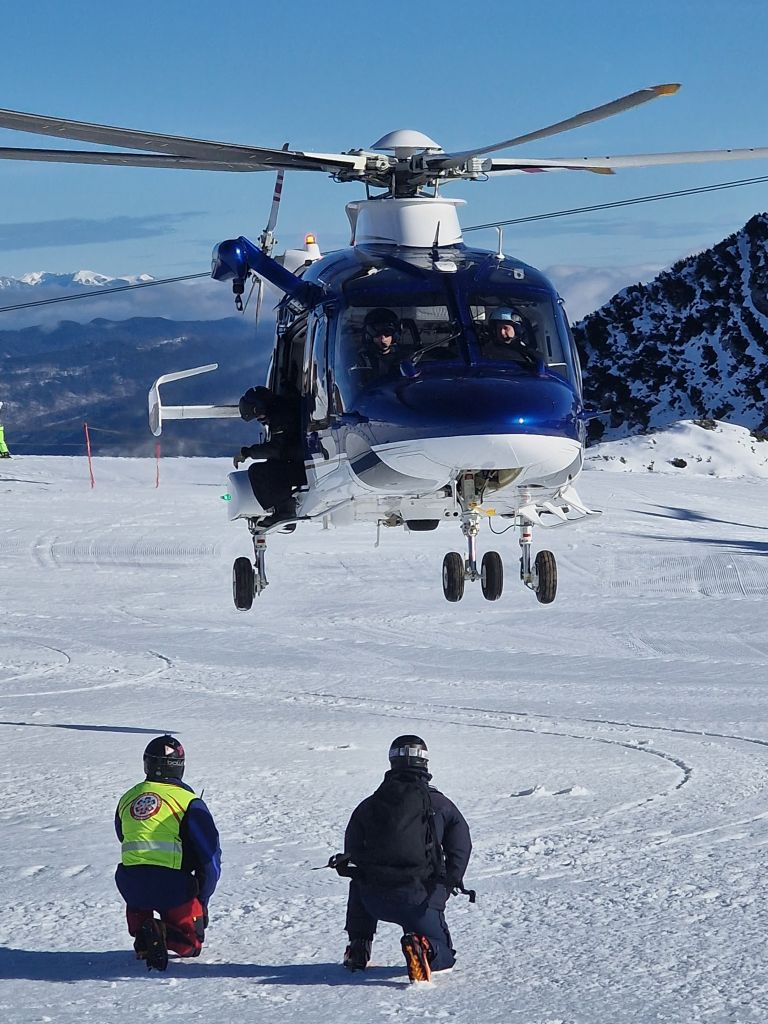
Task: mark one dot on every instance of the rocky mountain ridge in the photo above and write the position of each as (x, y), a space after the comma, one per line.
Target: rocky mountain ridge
(692, 343)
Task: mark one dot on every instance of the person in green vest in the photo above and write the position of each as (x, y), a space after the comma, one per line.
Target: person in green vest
(171, 858)
(4, 453)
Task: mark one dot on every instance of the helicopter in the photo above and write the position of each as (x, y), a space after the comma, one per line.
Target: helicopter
(456, 428)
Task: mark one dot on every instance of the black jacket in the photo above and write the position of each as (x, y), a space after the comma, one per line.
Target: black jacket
(451, 830)
(283, 415)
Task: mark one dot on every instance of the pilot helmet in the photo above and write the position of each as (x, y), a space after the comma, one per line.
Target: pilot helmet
(507, 315)
(381, 321)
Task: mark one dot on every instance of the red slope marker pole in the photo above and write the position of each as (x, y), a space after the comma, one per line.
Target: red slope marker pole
(88, 451)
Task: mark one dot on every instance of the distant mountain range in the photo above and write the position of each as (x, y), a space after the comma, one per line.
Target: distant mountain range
(693, 343)
(41, 280)
(54, 380)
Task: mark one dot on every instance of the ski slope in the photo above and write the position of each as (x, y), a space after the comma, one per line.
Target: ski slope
(610, 751)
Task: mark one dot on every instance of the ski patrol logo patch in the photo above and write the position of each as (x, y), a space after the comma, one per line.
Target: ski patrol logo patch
(145, 806)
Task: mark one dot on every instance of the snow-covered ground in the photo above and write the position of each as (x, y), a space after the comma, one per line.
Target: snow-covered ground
(609, 751)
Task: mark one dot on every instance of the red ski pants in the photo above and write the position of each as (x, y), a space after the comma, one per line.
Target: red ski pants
(183, 925)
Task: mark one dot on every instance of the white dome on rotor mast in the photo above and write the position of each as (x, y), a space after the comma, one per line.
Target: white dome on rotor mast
(420, 222)
(406, 142)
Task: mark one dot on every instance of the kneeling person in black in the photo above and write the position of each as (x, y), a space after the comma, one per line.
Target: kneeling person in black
(406, 847)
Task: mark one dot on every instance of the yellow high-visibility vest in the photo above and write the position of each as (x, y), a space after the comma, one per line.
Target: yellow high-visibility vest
(150, 816)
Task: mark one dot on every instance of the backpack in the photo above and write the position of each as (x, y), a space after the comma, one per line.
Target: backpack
(400, 845)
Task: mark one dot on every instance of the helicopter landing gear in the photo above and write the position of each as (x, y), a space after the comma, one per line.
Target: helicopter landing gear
(457, 571)
(248, 580)
(541, 578)
(453, 576)
(492, 576)
(243, 579)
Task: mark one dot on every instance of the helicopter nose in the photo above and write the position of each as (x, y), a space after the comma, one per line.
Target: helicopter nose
(477, 404)
(432, 428)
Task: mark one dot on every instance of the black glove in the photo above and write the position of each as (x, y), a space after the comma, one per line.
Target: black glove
(340, 864)
(457, 889)
(242, 456)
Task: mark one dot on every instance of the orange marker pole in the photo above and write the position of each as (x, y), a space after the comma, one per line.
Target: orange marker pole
(88, 451)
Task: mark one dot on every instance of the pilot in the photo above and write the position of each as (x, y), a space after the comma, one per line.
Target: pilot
(280, 468)
(510, 337)
(381, 351)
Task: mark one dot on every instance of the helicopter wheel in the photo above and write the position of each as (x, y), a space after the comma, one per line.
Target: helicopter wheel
(492, 576)
(453, 576)
(546, 575)
(243, 582)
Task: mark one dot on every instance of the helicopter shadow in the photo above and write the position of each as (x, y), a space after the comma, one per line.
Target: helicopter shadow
(85, 728)
(118, 965)
(688, 515)
(23, 480)
(735, 546)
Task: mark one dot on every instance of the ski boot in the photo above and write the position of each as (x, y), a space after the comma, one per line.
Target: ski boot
(417, 952)
(357, 954)
(152, 942)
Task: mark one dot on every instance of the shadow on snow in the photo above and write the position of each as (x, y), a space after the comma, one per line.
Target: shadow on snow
(117, 965)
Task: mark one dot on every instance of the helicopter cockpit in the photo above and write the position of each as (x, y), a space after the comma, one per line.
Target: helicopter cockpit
(445, 322)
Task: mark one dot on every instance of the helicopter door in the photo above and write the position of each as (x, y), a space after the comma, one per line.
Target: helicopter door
(285, 375)
(315, 375)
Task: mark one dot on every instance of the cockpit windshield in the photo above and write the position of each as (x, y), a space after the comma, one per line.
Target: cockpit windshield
(394, 320)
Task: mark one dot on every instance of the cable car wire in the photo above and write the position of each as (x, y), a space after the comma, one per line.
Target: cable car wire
(619, 202)
(474, 227)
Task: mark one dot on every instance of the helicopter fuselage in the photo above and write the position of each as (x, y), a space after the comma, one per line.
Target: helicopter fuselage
(395, 435)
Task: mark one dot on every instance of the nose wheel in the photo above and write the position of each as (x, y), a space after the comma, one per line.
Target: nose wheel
(457, 570)
(539, 575)
(453, 576)
(492, 576)
(249, 579)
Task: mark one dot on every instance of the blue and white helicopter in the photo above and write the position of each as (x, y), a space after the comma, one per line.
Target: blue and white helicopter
(457, 427)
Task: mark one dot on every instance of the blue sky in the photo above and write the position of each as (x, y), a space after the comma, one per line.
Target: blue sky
(336, 75)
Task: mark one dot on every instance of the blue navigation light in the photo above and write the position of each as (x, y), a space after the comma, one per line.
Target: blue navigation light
(521, 419)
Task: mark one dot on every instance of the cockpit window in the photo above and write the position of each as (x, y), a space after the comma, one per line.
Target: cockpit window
(519, 329)
(374, 338)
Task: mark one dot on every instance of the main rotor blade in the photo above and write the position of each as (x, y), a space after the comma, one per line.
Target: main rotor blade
(276, 197)
(78, 156)
(633, 99)
(174, 145)
(606, 164)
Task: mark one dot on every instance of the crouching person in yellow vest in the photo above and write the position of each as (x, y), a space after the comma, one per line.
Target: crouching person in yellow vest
(171, 858)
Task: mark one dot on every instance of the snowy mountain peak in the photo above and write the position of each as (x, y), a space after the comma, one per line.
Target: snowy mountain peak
(691, 343)
(41, 279)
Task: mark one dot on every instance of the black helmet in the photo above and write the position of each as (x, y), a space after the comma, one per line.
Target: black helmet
(408, 752)
(164, 758)
(381, 321)
(254, 403)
